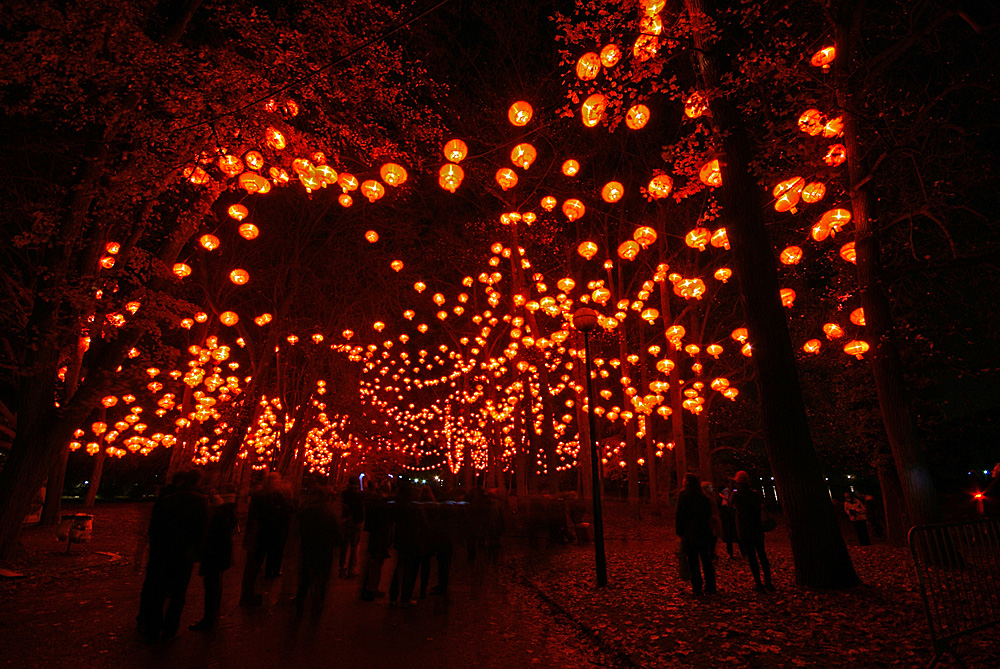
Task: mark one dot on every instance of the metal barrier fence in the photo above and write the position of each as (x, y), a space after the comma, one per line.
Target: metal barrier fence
(958, 569)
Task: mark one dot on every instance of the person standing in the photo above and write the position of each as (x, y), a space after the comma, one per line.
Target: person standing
(857, 512)
(728, 520)
(267, 531)
(694, 527)
(748, 506)
(217, 553)
(352, 515)
(176, 531)
(378, 524)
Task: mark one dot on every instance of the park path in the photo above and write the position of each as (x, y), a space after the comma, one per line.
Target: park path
(85, 617)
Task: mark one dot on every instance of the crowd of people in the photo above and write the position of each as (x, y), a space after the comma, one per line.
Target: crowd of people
(190, 524)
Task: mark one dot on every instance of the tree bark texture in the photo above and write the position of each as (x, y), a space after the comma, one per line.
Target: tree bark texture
(818, 549)
(887, 367)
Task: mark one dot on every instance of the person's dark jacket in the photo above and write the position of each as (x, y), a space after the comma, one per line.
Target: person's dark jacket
(747, 504)
(177, 525)
(319, 531)
(217, 552)
(694, 517)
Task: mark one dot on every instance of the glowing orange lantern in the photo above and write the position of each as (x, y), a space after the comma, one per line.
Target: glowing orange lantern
(393, 174)
(248, 231)
(347, 182)
(420, 286)
(107, 262)
(252, 182)
(229, 318)
(274, 138)
(833, 331)
(345, 200)
(857, 348)
(573, 209)
(587, 249)
(278, 175)
(710, 173)
(196, 175)
(396, 265)
(836, 154)
(588, 66)
(698, 238)
(506, 177)
(720, 239)
(740, 335)
(263, 319)
(610, 55)
(788, 193)
(834, 127)
(637, 117)
(811, 122)
(239, 276)
(450, 177)
(790, 256)
(645, 47)
(644, 235)
(520, 113)
(696, 105)
(209, 242)
(238, 211)
(858, 316)
(723, 274)
(182, 270)
(230, 165)
(812, 346)
(787, 297)
(455, 150)
(813, 192)
(823, 57)
(628, 250)
(371, 236)
(571, 168)
(549, 203)
(592, 110)
(372, 190)
(523, 155)
(848, 253)
(660, 186)
(254, 160)
(612, 191)
(836, 219)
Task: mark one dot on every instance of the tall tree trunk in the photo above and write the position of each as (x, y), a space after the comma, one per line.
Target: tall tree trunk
(704, 445)
(583, 421)
(887, 368)
(631, 453)
(95, 478)
(892, 500)
(676, 408)
(818, 549)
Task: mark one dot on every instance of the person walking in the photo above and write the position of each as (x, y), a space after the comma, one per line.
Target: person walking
(748, 506)
(694, 527)
(318, 535)
(176, 531)
(857, 512)
(378, 524)
(217, 553)
(728, 520)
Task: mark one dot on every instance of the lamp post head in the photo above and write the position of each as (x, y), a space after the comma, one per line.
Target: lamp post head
(585, 319)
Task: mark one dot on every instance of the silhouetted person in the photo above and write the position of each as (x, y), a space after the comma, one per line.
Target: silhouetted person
(267, 531)
(319, 534)
(176, 531)
(728, 519)
(432, 546)
(409, 538)
(352, 516)
(217, 553)
(857, 512)
(694, 527)
(378, 524)
(748, 505)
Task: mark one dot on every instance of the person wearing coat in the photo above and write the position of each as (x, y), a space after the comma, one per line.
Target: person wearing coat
(748, 506)
(694, 527)
(217, 553)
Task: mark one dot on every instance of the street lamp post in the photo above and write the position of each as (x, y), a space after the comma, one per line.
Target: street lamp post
(585, 320)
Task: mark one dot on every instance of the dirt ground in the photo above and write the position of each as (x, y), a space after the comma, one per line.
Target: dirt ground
(539, 608)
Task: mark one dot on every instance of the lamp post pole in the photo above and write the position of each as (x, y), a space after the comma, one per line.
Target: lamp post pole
(585, 320)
